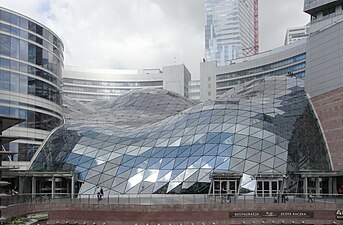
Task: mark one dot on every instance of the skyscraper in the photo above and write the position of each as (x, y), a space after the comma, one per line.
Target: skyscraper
(231, 29)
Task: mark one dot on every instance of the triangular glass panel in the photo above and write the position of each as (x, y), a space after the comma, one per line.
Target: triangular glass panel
(112, 172)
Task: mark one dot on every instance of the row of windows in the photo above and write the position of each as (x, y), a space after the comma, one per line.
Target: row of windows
(299, 66)
(114, 83)
(22, 50)
(8, 102)
(24, 34)
(27, 85)
(35, 120)
(88, 97)
(229, 84)
(31, 26)
(24, 68)
(95, 90)
(262, 68)
(24, 151)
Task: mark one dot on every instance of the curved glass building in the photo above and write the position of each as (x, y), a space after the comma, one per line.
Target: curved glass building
(155, 141)
(31, 61)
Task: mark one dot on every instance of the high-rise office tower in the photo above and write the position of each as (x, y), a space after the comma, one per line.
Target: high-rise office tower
(231, 29)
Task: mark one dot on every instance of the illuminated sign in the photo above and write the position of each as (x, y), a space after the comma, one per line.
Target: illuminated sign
(280, 214)
(339, 214)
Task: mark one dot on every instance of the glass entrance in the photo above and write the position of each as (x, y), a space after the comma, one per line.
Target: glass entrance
(268, 188)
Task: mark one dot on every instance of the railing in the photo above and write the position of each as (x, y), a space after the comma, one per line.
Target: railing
(171, 199)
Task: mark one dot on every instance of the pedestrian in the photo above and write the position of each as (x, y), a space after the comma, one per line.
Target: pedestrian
(228, 196)
(98, 195)
(284, 196)
(310, 196)
(340, 191)
(14, 191)
(101, 193)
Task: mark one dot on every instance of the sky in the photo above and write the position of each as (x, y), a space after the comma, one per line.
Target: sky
(137, 34)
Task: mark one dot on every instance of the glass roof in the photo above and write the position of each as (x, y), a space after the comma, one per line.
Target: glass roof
(155, 141)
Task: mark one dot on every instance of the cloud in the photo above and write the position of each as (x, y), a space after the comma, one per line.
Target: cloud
(144, 33)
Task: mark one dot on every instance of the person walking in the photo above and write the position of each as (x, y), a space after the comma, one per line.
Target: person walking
(310, 197)
(340, 191)
(228, 196)
(101, 193)
(98, 195)
(284, 196)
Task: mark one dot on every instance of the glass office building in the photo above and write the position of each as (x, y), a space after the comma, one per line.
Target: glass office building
(31, 60)
(155, 141)
(231, 30)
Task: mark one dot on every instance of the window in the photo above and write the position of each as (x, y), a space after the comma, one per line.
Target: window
(329, 11)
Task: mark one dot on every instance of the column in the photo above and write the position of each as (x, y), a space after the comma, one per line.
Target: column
(220, 190)
(317, 187)
(21, 185)
(52, 187)
(72, 186)
(33, 187)
(214, 187)
(305, 186)
(334, 185)
(330, 185)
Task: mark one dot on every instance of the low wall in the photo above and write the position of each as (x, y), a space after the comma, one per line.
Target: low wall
(220, 214)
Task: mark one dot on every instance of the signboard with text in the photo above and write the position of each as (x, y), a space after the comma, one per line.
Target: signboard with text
(339, 214)
(280, 214)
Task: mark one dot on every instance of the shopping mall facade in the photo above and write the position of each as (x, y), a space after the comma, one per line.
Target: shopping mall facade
(280, 127)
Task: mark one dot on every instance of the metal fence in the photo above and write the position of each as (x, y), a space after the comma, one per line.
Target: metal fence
(170, 199)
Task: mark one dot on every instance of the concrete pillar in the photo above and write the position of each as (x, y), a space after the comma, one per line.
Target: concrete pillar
(68, 186)
(330, 185)
(220, 189)
(33, 187)
(214, 187)
(305, 186)
(317, 187)
(21, 185)
(53, 187)
(334, 185)
(72, 186)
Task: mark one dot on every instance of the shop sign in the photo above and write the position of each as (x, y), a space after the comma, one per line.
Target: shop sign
(280, 214)
(339, 214)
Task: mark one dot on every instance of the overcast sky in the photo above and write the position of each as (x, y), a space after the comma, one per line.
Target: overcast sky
(135, 34)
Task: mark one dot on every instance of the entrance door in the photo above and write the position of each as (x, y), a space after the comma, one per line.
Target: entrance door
(267, 188)
(233, 186)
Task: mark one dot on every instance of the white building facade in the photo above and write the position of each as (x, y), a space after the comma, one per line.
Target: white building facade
(296, 33)
(89, 84)
(216, 80)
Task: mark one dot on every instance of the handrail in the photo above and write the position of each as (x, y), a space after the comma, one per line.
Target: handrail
(173, 199)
